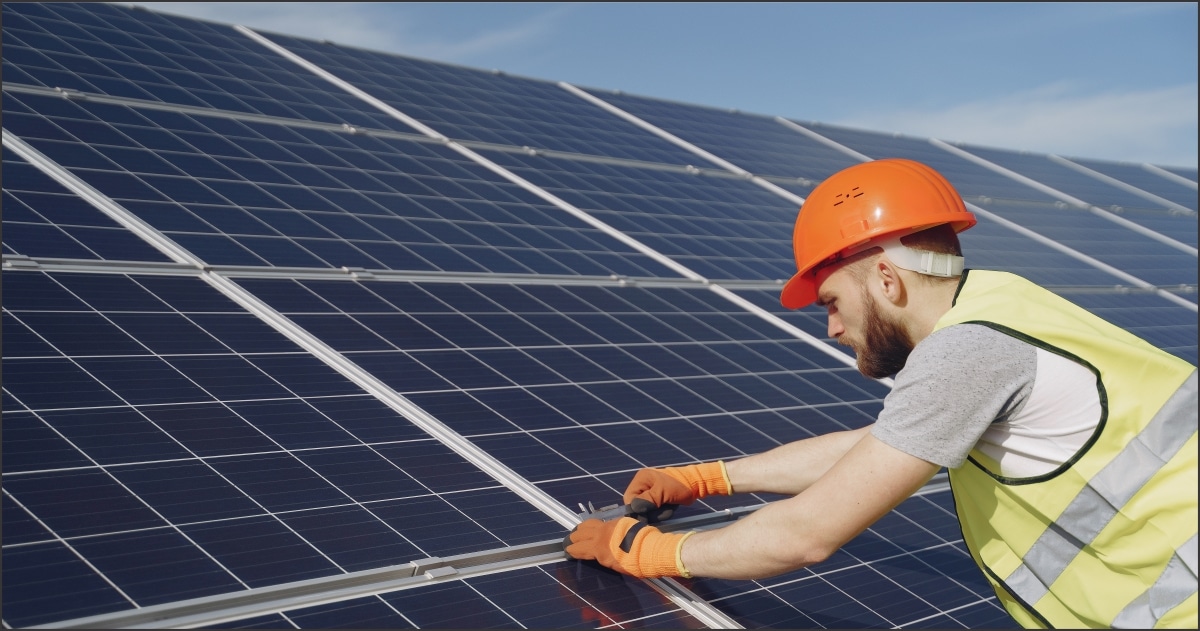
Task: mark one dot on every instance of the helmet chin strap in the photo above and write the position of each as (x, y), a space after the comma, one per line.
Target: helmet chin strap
(921, 261)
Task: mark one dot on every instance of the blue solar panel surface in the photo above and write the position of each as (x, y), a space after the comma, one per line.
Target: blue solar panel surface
(42, 218)
(184, 448)
(1178, 192)
(174, 433)
(756, 143)
(719, 227)
(1160, 215)
(575, 388)
(469, 104)
(132, 53)
(249, 193)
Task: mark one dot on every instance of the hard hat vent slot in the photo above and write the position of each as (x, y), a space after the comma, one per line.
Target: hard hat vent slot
(842, 197)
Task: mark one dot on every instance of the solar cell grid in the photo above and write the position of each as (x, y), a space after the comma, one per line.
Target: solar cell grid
(496, 376)
(1140, 177)
(469, 104)
(918, 572)
(43, 219)
(551, 596)
(971, 180)
(336, 216)
(1141, 256)
(720, 228)
(175, 465)
(1065, 179)
(1157, 215)
(756, 143)
(125, 52)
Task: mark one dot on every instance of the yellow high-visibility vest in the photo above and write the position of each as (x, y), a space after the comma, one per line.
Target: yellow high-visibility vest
(1108, 539)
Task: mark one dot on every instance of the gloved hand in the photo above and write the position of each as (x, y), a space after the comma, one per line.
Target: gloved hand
(654, 488)
(628, 545)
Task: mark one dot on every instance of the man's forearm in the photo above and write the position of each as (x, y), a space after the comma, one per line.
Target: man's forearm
(791, 468)
(865, 481)
(754, 548)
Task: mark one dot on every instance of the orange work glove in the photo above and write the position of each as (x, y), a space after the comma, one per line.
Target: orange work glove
(677, 485)
(628, 545)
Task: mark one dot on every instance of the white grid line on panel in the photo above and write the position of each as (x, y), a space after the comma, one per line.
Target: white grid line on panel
(673, 139)
(1174, 177)
(499, 170)
(1069, 199)
(304, 339)
(1123, 186)
(195, 458)
(102, 202)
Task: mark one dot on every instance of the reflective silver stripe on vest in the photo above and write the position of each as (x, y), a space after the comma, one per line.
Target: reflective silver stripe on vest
(1168, 591)
(1109, 490)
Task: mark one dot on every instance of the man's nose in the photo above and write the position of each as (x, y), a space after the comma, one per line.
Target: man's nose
(835, 327)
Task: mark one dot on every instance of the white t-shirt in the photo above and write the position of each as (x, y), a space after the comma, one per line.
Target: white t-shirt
(968, 385)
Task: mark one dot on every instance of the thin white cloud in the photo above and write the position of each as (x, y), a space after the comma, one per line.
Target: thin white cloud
(1156, 125)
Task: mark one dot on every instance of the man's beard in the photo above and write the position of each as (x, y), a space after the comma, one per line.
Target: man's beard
(886, 345)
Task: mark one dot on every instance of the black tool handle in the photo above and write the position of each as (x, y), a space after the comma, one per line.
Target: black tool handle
(646, 511)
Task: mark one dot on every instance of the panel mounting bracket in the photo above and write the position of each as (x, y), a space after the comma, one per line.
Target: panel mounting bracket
(20, 261)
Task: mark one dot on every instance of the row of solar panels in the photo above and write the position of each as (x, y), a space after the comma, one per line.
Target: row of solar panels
(172, 433)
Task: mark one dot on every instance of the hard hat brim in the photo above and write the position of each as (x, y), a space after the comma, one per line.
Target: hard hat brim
(799, 292)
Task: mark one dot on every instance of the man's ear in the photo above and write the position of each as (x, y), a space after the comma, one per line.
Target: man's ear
(889, 282)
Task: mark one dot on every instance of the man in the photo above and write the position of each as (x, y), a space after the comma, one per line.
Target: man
(1071, 444)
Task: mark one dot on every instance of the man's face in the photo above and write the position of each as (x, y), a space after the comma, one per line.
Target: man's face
(879, 342)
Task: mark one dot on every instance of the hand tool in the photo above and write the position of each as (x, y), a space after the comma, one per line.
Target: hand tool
(638, 509)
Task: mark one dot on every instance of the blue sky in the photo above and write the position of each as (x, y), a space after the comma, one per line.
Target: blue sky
(1114, 81)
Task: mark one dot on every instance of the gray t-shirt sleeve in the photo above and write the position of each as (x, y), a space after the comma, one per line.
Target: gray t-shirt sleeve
(956, 382)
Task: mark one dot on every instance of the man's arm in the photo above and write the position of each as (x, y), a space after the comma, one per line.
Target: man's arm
(859, 488)
(790, 469)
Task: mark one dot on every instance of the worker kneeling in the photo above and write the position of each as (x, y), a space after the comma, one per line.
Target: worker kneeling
(1070, 443)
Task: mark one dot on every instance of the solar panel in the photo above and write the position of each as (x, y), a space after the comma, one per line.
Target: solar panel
(133, 53)
(1181, 190)
(43, 219)
(754, 142)
(265, 194)
(491, 107)
(720, 227)
(177, 443)
(262, 337)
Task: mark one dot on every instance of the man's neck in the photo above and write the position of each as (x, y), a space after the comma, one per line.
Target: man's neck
(927, 304)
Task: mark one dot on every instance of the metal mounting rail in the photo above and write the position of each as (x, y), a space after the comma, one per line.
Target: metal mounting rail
(100, 201)
(681, 143)
(1080, 256)
(212, 610)
(1129, 188)
(1070, 199)
(558, 202)
(1174, 177)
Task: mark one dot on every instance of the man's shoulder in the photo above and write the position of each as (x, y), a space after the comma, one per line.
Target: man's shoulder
(968, 341)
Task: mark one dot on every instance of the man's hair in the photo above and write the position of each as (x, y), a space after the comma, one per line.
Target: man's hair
(941, 239)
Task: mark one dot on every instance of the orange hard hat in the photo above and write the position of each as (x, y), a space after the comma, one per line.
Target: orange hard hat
(866, 203)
